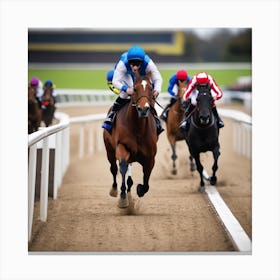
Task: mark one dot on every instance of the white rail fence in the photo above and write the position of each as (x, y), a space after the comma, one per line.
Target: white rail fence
(80, 97)
(242, 134)
(58, 137)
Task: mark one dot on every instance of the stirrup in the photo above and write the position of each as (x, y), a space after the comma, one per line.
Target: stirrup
(159, 130)
(221, 124)
(163, 116)
(184, 125)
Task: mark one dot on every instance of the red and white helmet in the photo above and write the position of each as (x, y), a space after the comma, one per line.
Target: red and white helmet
(202, 78)
(182, 75)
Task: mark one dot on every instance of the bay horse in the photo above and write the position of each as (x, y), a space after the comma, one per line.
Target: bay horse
(34, 111)
(133, 139)
(174, 133)
(203, 134)
(48, 106)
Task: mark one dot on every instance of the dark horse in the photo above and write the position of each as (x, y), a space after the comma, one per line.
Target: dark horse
(48, 106)
(174, 133)
(133, 139)
(203, 134)
(34, 111)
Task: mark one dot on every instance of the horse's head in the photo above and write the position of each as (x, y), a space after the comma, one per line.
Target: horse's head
(142, 97)
(204, 106)
(31, 94)
(47, 98)
(181, 89)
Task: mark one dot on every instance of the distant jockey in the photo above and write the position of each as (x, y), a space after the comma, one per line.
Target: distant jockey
(201, 80)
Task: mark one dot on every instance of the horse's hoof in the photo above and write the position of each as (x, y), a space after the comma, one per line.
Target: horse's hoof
(213, 180)
(140, 190)
(202, 189)
(174, 172)
(113, 192)
(193, 167)
(123, 202)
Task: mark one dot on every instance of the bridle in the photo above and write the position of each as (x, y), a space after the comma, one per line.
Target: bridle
(198, 109)
(148, 96)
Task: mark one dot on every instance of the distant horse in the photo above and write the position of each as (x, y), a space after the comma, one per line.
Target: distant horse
(34, 111)
(48, 106)
(133, 139)
(174, 133)
(203, 134)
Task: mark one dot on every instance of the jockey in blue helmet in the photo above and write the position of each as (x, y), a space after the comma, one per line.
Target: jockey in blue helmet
(51, 85)
(135, 59)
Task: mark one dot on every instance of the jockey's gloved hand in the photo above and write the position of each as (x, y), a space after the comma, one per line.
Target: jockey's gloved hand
(155, 94)
(129, 91)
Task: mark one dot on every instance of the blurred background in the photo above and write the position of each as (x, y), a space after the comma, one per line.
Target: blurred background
(77, 60)
(93, 46)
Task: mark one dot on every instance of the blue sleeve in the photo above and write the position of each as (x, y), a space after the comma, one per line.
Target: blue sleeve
(172, 82)
(188, 79)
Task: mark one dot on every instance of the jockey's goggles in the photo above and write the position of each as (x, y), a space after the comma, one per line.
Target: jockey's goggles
(135, 62)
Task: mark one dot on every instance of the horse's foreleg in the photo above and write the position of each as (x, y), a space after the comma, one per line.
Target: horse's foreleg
(114, 171)
(129, 178)
(147, 169)
(122, 156)
(216, 154)
(192, 164)
(199, 168)
(123, 202)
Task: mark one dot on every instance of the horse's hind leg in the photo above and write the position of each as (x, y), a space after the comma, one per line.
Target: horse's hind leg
(114, 170)
(216, 154)
(174, 157)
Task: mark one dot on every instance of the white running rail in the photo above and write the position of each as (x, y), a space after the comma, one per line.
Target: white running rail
(59, 134)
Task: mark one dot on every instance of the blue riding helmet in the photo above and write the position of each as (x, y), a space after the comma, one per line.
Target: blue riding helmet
(48, 83)
(110, 75)
(136, 53)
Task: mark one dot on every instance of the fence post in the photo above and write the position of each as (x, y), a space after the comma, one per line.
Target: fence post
(44, 181)
(31, 185)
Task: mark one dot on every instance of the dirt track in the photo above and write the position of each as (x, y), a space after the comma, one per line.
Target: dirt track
(172, 217)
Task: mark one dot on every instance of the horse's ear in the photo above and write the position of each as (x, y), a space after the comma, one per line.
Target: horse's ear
(184, 83)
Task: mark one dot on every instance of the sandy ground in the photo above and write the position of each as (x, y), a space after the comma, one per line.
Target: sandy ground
(172, 217)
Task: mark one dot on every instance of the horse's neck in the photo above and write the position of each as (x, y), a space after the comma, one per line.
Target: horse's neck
(178, 106)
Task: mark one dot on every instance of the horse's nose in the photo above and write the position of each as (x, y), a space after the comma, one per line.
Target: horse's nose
(143, 112)
(204, 119)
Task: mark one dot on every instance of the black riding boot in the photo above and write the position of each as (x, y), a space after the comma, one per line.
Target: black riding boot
(164, 113)
(185, 123)
(219, 120)
(108, 123)
(160, 129)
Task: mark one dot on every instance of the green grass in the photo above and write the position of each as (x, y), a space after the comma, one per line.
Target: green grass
(96, 79)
